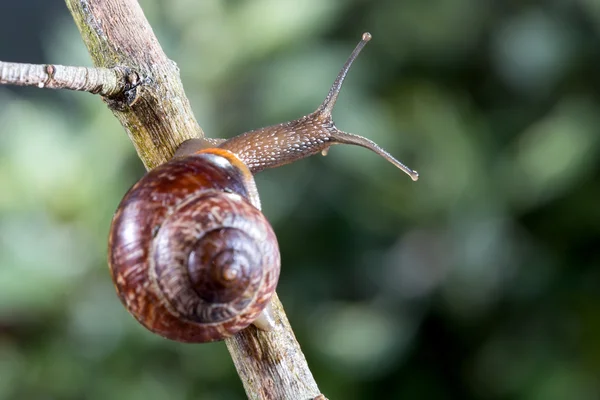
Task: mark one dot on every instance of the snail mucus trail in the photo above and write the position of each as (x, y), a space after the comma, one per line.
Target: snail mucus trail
(191, 256)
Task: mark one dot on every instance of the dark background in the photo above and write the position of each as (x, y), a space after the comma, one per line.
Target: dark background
(480, 281)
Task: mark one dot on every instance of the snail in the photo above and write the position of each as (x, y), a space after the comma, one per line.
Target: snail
(191, 256)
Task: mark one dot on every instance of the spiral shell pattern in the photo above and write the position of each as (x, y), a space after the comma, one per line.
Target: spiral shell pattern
(191, 258)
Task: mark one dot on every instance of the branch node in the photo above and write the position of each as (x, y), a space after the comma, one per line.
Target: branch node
(131, 82)
(50, 71)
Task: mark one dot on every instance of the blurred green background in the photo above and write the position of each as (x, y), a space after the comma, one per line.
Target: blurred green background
(480, 281)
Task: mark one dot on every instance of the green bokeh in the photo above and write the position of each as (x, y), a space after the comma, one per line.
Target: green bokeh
(480, 281)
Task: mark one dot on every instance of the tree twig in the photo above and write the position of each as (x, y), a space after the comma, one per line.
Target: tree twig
(103, 81)
(158, 118)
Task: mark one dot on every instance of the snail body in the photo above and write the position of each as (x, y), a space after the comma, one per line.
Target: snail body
(191, 256)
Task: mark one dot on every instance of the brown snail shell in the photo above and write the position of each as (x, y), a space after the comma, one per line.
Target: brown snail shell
(191, 258)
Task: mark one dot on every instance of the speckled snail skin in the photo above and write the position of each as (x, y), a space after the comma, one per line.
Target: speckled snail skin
(192, 257)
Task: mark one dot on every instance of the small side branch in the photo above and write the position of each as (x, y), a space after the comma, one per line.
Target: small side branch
(107, 82)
